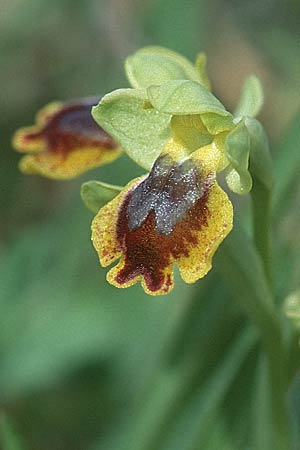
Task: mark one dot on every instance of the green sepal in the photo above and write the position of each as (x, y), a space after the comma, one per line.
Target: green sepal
(95, 194)
(155, 65)
(190, 131)
(180, 97)
(261, 165)
(129, 118)
(237, 147)
(252, 98)
(200, 65)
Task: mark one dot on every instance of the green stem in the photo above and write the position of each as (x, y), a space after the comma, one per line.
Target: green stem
(261, 201)
(242, 269)
(277, 369)
(277, 364)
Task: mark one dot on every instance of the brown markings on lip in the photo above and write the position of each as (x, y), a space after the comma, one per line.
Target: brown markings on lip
(70, 127)
(149, 252)
(170, 189)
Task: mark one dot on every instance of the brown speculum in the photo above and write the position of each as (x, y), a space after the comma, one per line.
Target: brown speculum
(160, 219)
(72, 126)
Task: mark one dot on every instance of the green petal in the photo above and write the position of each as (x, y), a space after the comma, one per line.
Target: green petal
(237, 147)
(155, 65)
(252, 98)
(239, 182)
(129, 118)
(96, 194)
(200, 65)
(180, 97)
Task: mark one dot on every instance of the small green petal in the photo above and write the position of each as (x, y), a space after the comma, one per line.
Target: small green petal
(96, 194)
(180, 97)
(129, 118)
(237, 147)
(155, 65)
(239, 182)
(252, 98)
(200, 65)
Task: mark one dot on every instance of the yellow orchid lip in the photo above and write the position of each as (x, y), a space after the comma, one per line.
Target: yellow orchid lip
(177, 214)
(65, 141)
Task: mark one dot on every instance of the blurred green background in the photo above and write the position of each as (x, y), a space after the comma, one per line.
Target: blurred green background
(82, 364)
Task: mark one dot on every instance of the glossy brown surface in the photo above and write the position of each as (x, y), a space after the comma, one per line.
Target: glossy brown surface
(155, 235)
(72, 126)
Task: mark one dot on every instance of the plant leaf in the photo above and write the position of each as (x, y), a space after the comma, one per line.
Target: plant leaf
(196, 329)
(180, 97)
(252, 98)
(155, 65)
(262, 414)
(242, 269)
(9, 440)
(196, 419)
(286, 167)
(129, 118)
(96, 194)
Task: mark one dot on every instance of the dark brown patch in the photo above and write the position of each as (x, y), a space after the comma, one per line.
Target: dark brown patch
(169, 191)
(72, 126)
(148, 249)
